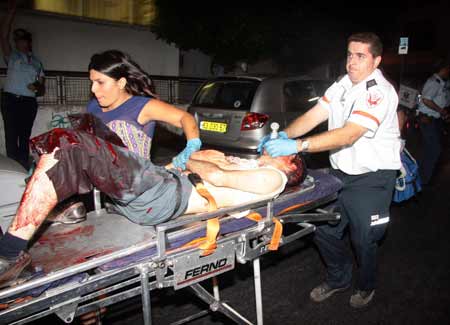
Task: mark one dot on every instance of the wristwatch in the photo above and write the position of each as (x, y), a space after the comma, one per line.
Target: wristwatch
(305, 145)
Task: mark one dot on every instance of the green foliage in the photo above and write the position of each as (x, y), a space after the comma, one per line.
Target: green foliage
(294, 34)
(227, 31)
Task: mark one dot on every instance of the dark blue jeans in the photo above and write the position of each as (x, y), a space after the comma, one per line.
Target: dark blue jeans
(18, 114)
(364, 202)
(431, 148)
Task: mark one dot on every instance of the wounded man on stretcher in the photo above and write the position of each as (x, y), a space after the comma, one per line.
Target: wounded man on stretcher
(143, 192)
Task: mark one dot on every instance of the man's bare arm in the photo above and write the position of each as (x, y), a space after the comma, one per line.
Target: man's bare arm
(306, 122)
(435, 107)
(6, 28)
(259, 181)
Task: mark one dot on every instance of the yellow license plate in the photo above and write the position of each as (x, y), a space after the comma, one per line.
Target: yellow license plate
(213, 126)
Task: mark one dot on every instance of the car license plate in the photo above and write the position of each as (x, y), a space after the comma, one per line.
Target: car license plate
(213, 126)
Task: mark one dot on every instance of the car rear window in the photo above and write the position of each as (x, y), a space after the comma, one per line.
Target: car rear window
(301, 95)
(226, 94)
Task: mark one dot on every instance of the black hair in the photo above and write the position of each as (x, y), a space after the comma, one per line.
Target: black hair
(441, 63)
(375, 44)
(297, 173)
(116, 64)
(22, 34)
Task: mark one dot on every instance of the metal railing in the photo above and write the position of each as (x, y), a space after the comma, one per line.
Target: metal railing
(74, 88)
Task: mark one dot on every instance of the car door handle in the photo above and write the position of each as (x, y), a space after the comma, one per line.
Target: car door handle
(212, 115)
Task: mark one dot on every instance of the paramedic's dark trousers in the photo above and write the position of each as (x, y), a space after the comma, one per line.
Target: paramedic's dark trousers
(431, 146)
(364, 202)
(18, 113)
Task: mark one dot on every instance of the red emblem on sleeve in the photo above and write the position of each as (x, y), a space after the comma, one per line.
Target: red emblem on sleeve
(374, 98)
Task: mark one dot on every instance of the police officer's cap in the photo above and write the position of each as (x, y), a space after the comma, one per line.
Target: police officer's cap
(21, 34)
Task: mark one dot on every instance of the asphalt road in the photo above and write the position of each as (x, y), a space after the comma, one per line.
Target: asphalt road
(413, 278)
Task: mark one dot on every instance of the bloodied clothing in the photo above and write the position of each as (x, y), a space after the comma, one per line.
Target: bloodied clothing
(124, 122)
(144, 193)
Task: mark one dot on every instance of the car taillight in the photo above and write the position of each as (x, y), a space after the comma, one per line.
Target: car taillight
(253, 121)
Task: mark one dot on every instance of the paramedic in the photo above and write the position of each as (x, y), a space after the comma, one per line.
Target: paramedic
(364, 142)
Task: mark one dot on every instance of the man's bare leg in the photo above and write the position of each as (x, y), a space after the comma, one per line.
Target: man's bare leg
(37, 201)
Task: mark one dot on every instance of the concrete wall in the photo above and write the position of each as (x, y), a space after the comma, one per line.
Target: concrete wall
(67, 44)
(194, 64)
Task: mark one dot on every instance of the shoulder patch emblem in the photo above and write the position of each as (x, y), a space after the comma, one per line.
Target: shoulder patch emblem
(370, 83)
(374, 98)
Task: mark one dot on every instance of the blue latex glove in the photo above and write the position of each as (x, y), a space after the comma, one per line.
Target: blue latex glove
(182, 158)
(281, 135)
(281, 147)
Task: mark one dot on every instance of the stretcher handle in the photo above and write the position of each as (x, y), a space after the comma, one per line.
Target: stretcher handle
(309, 217)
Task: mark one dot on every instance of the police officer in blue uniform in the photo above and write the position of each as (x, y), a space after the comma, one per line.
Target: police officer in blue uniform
(433, 109)
(25, 78)
(364, 142)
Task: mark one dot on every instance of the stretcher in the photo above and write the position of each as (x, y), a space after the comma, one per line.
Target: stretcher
(107, 259)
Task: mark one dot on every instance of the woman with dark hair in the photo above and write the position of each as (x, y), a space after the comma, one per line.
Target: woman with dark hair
(125, 101)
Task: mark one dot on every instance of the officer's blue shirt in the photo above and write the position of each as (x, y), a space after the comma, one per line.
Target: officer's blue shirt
(23, 69)
(437, 90)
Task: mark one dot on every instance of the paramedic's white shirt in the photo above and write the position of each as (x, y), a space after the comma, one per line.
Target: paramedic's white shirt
(372, 104)
(435, 89)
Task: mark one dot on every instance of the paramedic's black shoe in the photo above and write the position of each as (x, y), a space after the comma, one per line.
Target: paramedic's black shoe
(324, 291)
(361, 298)
(68, 214)
(11, 268)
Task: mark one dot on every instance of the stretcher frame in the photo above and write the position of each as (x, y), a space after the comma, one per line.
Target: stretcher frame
(164, 269)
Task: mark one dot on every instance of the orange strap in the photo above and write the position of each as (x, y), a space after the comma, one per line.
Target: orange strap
(212, 225)
(203, 191)
(293, 207)
(276, 236)
(277, 231)
(255, 216)
(208, 244)
(212, 230)
(15, 301)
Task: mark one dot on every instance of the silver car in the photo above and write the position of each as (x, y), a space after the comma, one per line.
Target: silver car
(234, 113)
